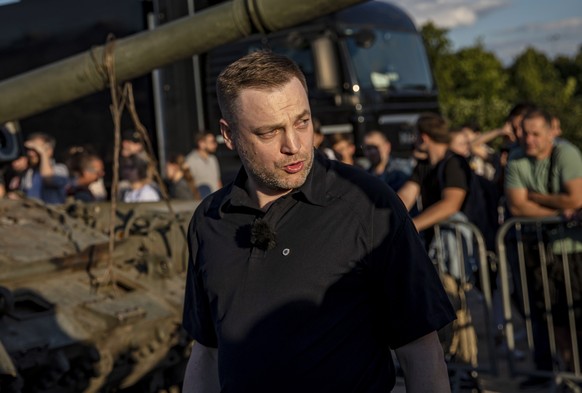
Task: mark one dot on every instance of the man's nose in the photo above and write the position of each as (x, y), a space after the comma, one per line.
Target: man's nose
(291, 142)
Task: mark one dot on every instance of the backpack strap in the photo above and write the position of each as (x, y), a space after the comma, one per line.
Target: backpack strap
(441, 169)
(551, 169)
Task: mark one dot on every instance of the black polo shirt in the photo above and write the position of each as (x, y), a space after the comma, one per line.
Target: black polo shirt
(455, 173)
(346, 280)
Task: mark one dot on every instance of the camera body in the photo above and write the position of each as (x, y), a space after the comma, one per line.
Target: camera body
(11, 143)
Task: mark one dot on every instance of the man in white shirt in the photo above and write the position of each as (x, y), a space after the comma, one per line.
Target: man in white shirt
(203, 163)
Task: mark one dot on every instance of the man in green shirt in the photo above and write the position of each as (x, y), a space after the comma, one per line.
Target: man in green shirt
(544, 178)
(526, 181)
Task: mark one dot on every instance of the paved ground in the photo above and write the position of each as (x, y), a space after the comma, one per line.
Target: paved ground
(503, 382)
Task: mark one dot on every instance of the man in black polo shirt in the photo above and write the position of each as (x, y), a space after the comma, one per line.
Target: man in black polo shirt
(304, 272)
(442, 193)
(442, 181)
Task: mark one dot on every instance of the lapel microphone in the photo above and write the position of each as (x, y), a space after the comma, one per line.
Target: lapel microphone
(262, 236)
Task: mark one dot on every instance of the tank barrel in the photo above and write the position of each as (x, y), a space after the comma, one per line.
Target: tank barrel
(80, 75)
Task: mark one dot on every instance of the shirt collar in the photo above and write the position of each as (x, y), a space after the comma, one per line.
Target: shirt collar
(312, 191)
(314, 188)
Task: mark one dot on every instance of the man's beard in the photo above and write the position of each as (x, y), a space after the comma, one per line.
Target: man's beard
(275, 178)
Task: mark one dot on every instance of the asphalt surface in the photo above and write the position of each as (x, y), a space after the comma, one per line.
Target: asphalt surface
(503, 382)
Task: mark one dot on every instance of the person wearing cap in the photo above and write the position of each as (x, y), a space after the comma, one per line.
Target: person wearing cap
(439, 201)
(131, 143)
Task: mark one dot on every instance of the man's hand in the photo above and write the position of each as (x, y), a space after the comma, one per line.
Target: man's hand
(572, 214)
(38, 146)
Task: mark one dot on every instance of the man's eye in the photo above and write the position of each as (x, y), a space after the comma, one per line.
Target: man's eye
(268, 134)
(303, 123)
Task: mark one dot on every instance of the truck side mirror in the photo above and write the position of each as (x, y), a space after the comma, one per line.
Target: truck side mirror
(365, 38)
(325, 59)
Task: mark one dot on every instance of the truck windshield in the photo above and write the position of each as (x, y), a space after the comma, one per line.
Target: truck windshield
(389, 61)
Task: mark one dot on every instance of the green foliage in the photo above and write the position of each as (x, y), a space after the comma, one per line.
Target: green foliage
(487, 113)
(537, 80)
(474, 87)
(480, 74)
(571, 68)
(436, 41)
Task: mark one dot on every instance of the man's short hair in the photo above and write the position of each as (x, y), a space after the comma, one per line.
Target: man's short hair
(262, 70)
(379, 133)
(200, 136)
(535, 113)
(46, 138)
(435, 126)
(339, 137)
(520, 109)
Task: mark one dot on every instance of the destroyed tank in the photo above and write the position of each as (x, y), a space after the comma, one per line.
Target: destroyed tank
(81, 314)
(74, 320)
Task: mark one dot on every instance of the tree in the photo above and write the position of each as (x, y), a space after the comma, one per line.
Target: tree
(537, 80)
(482, 86)
(436, 42)
(439, 51)
(571, 68)
(475, 87)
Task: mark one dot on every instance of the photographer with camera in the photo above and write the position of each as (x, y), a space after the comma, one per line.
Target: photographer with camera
(44, 179)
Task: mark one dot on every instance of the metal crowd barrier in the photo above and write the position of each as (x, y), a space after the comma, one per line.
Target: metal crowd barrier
(468, 242)
(528, 246)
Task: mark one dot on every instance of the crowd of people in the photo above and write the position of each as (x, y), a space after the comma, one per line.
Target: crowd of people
(533, 169)
(83, 174)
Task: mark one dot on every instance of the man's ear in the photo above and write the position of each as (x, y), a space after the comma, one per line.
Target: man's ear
(226, 134)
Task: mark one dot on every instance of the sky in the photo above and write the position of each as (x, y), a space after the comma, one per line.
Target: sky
(506, 27)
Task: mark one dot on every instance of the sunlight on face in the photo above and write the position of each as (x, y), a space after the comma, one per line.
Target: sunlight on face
(538, 137)
(274, 137)
(460, 143)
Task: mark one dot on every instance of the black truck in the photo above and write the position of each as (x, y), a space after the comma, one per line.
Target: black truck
(366, 68)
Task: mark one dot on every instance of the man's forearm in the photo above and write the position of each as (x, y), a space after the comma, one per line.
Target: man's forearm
(423, 365)
(202, 371)
(45, 167)
(555, 201)
(432, 379)
(531, 209)
(438, 212)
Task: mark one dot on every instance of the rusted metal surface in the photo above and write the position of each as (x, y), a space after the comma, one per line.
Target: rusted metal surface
(136, 55)
(63, 328)
(69, 320)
